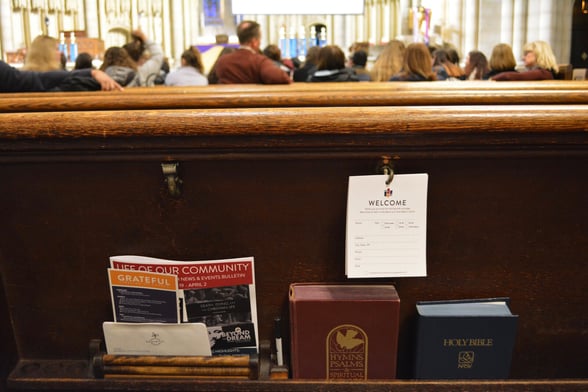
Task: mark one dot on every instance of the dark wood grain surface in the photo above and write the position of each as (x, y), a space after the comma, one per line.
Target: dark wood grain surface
(440, 124)
(507, 216)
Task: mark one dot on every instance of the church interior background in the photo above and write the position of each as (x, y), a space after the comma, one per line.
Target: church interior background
(466, 25)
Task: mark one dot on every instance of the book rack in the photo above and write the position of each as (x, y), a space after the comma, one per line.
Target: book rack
(242, 367)
(264, 173)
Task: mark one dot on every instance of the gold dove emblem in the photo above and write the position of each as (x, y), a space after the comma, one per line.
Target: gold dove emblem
(347, 353)
(349, 340)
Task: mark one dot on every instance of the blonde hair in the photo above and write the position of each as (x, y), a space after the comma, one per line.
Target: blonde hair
(544, 54)
(389, 62)
(502, 58)
(42, 55)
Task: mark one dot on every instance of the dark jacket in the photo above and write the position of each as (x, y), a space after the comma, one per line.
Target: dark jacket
(13, 80)
(494, 72)
(411, 77)
(301, 74)
(334, 75)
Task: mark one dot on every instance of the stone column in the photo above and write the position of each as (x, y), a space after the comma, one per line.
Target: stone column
(92, 17)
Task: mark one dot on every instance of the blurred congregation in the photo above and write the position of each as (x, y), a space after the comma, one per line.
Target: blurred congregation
(65, 45)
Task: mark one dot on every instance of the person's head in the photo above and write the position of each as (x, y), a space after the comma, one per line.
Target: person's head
(359, 58)
(273, 52)
(83, 61)
(417, 60)
(135, 49)
(312, 55)
(453, 56)
(43, 55)
(440, 57)
(249, 33)
(476, 64)
(192, 58)
(117, 56)
(331, 57)
(539, 54)
(502, 58)
(389, 61)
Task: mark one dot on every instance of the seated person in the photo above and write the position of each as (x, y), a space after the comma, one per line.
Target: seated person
(13, 80)
(190, 73)
(539, 61)
(247, 64)
(501, 60)
(476, 66)
(331, 66)
(358, 64)
(147, 55)
(389, 61)
(84, 60)
(444, 67)
(120, 66)
(43, 55)
(301, 74)
(274, 53)
(418, 65)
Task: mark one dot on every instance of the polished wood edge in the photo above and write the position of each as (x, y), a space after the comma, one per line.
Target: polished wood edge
(291, 99)
(293, 122)
(371, 86)
(303, 95)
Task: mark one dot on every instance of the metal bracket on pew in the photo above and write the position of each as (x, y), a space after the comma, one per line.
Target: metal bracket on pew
(171, 177)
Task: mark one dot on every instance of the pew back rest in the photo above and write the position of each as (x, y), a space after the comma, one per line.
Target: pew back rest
(304, 95)
(507, 198)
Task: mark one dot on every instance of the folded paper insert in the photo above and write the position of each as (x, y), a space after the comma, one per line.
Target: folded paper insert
(156, 339)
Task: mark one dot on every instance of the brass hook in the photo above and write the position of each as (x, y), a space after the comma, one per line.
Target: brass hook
(385, 167)
(171, 177)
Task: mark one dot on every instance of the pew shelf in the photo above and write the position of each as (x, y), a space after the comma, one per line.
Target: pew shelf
(71, 375)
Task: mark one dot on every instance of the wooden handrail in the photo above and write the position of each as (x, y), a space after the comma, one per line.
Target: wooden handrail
(304, 95)
(326, 121)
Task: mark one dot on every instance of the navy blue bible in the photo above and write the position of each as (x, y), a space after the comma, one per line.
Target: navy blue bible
(469, 339)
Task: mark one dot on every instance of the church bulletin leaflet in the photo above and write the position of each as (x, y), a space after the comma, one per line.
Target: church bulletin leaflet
(144, 297)
(218, 293)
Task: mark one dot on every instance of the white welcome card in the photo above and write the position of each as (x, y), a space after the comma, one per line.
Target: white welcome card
(386, 226)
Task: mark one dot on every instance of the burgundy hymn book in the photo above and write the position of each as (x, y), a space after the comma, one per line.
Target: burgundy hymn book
(343, 332)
